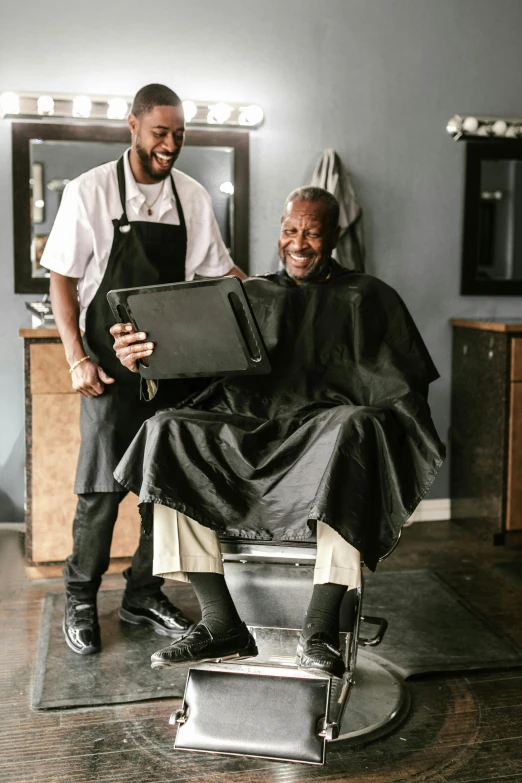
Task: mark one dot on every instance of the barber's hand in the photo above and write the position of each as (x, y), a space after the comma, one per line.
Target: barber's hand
(89, 379)
(129, 345)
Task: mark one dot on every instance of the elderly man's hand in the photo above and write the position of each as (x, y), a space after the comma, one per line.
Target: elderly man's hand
(130, 346)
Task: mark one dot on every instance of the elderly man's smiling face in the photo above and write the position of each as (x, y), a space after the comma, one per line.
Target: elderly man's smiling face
(306, 240)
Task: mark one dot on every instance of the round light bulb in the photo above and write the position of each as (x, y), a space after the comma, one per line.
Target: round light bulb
(81, 106)
(227, 187)
(45, 105)
(470, 124)
(39, 203)
(486, 129)
(454, 125)
(117, 109)
(219, 113)
(499, 127)
(251, 115)
(9, 103)
(190, 110)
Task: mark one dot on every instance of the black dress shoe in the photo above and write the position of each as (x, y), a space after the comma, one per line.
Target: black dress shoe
(320, 654)
(80, 626)
(157, 611)
(200, 645)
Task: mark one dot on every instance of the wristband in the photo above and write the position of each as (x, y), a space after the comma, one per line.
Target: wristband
(75, 365)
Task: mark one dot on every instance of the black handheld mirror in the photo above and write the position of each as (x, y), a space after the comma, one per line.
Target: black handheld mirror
(199, 329)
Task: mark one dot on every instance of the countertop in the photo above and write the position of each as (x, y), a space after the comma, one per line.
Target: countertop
(42, 332)
(490, 324)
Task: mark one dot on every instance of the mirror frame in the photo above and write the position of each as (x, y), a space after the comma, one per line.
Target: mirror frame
(476, 152)
(23, 132)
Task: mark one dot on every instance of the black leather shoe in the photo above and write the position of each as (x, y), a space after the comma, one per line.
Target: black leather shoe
(200, 645)
(320, 654)
(80, 626)
(157, 611)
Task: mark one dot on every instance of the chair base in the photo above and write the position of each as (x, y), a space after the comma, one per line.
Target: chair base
(379, 701)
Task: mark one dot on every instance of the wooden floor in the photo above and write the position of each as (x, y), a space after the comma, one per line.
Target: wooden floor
(461, 728)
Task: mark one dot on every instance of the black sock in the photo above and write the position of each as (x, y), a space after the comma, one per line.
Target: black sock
(323, 611)
(218, 610)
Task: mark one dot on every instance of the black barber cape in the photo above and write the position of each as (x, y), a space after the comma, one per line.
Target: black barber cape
(340, 430)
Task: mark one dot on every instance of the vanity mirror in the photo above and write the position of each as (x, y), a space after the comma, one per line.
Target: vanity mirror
(492, 237)
(47, 155)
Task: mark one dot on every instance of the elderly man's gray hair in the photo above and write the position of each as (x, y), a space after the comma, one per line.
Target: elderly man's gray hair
(311, 193)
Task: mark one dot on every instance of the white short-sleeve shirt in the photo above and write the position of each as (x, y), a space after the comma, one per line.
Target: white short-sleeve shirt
(80, 241)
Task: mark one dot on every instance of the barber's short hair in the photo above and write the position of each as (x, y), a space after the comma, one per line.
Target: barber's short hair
(153, 95)
(311, 193)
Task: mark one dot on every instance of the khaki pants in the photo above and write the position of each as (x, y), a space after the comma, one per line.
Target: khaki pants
(182, 545)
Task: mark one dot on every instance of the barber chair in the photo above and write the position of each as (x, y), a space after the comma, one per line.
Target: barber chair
(265, 706)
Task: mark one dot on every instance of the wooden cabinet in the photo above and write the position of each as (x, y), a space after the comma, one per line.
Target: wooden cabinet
(486, 424)
(52, 427)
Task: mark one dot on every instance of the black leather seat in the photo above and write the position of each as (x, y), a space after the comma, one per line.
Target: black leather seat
(271, 582)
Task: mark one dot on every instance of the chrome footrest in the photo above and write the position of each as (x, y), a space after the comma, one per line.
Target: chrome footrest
(266, 706)
(234, 712)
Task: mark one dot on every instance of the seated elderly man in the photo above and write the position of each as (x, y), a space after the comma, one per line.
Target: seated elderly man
(337, 441)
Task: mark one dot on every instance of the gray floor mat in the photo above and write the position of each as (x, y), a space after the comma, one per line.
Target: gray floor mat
(120, 673)
(430, 630)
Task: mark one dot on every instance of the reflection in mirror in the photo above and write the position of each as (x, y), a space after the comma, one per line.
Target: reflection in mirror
(58, 162)
(500, 220)
(54, 163)
(492, 238)
(213, 167)
(37, 195)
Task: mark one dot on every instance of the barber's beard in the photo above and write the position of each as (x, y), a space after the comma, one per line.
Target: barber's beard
(146, 162)
(318, 272)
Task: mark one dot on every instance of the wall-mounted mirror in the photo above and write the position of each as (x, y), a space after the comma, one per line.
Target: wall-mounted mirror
(492, 239)
(47, 155)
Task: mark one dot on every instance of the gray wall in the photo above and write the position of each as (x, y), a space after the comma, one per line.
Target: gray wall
(376, 80)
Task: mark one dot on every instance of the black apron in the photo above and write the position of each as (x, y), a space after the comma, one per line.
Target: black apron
(142, 253)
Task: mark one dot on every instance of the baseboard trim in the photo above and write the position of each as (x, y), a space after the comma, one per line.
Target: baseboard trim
(434, 510)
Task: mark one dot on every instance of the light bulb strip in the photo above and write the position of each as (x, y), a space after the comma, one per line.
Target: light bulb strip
(465, 126)
(115, 109)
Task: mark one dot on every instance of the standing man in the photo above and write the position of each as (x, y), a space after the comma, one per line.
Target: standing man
(131, 222)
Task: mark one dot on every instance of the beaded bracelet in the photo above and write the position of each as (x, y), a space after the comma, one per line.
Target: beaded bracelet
(75, 365)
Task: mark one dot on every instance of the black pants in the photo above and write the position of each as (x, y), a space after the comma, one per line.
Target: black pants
(93, 526)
